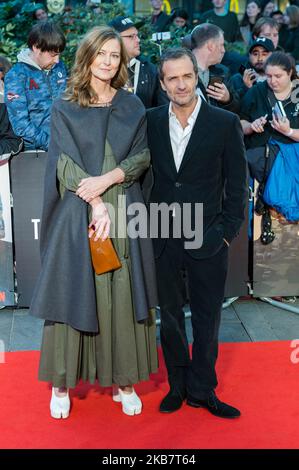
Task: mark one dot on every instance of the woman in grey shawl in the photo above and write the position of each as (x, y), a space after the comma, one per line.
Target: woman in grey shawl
(96, 326)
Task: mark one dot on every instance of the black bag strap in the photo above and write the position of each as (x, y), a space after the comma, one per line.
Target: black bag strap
(267, 153)
(271, 98)
(260, 205)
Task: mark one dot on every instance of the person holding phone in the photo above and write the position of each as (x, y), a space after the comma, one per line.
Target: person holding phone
(207, 44)
(258, 121)
(253, 72)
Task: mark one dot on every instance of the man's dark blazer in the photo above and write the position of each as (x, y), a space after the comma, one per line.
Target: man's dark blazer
(213, 171)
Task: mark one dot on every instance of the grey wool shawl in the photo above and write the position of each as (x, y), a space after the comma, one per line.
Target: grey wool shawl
(65, 290)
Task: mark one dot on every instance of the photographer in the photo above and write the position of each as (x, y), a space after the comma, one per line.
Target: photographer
(253, 72)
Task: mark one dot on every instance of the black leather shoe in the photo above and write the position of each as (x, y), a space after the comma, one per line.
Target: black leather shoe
(172, 402)
(214, 406)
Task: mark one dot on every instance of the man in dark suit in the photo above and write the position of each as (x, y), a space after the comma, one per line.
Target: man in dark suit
(197, 157)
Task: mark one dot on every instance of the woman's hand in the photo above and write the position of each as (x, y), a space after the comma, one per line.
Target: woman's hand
(219, 92)
(94, 186)
(100, 220)
(258, 124)
(281, 125)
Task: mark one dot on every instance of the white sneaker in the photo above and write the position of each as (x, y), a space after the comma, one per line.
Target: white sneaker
(60, 406)
(115, 394)
(131, 403)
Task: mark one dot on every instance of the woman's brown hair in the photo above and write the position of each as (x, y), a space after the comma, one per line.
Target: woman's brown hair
(79, 88)
(284, 61)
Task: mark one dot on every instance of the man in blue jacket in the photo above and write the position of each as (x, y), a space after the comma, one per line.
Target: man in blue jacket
(34, 83)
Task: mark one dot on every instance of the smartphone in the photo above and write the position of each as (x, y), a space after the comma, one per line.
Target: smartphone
(278, 111)
(242, 69)
(214, 80)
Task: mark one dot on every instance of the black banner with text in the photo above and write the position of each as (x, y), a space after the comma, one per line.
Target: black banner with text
(27, 181)
(7, 297)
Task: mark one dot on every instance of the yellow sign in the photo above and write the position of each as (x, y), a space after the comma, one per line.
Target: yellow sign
(166, 7)
(234, 6)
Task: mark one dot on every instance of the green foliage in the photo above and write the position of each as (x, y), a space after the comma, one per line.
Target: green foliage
(8, 46)
(76, 22)
(16, 20)
(239, 47)
(152, 49)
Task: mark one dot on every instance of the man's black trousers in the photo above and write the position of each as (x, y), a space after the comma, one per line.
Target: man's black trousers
(206, 281)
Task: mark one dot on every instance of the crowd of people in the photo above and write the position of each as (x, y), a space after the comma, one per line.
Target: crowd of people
(202, 107)
(225, 76)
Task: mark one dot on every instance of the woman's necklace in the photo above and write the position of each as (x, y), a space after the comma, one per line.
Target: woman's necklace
(105, 102)
(102, 105)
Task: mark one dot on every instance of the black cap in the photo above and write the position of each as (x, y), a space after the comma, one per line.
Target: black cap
(121, 23)
(262, 42)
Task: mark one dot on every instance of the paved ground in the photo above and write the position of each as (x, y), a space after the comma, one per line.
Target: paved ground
(244, 320)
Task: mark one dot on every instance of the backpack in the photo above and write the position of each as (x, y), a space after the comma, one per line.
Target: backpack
(282, 185)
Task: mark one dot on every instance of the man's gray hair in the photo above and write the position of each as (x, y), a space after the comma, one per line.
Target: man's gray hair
(175, 53)
(203, 33)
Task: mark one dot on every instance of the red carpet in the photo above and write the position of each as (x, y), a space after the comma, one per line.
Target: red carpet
(259, 378)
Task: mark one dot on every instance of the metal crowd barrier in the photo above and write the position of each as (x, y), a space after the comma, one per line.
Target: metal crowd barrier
(275, 266)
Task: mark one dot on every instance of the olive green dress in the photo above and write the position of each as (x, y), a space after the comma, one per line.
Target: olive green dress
(124, 351)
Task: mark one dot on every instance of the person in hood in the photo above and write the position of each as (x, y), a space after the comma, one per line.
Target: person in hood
(34, 83)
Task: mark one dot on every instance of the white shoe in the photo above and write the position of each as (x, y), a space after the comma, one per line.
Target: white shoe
(60, 406)
(131, 403)
(115, 394)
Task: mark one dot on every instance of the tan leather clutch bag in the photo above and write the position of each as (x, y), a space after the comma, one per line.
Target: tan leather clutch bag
(103, 255)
